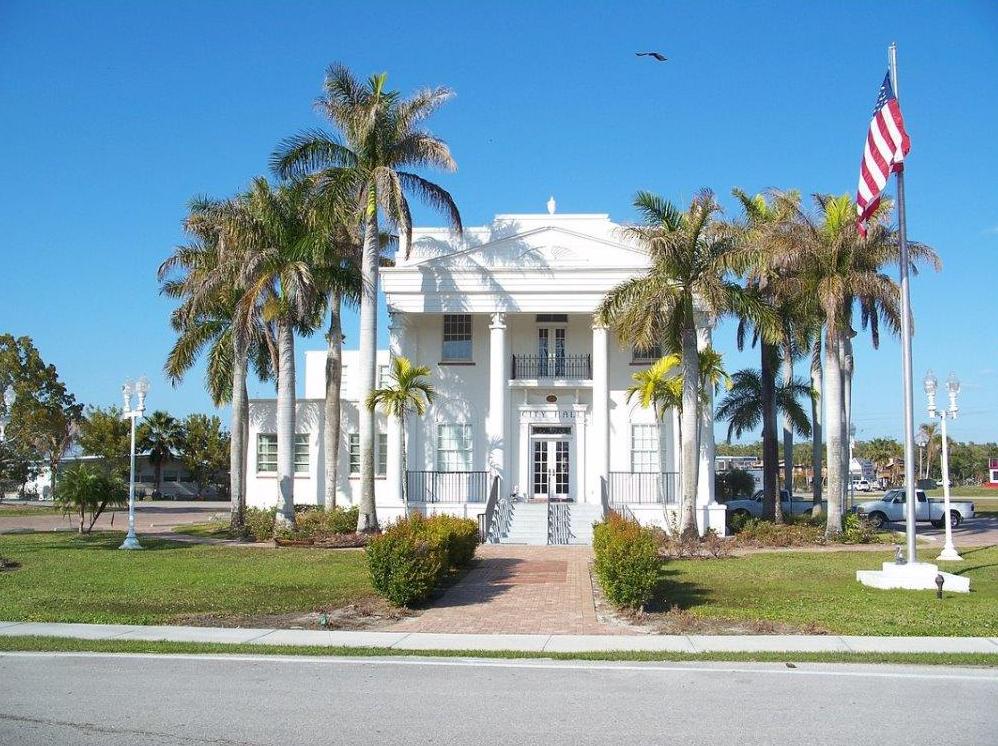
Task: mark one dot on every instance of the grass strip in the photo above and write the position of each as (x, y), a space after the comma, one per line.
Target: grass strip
(67, 644)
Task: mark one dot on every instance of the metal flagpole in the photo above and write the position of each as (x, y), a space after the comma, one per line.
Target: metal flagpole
(909, 413)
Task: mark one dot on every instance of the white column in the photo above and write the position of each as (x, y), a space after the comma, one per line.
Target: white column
(393, 467)
(495, 424)
(600, 456)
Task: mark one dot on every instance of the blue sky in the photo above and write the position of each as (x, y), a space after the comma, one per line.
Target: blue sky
(115, 114)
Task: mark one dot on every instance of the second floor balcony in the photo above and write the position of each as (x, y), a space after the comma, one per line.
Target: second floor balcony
(527, 367)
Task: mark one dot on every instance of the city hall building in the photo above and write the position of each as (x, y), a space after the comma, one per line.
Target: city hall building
(531, 405)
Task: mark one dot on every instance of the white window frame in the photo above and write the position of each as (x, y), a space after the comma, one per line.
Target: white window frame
(458, 328)
(646, 448)
(353, 453)
(301, 457)
(455, 447)
(381, 455)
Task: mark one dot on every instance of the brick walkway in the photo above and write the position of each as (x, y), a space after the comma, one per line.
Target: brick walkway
(518, 589)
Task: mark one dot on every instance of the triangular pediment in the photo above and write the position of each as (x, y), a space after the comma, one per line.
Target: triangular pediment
(548, 247)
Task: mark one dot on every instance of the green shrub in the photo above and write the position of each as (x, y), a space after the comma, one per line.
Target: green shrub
(757, 532)
(405, 564)
(414, 554)
(259, 523)
(626, 561)
(87, 491)
(733, 483)
(457, 536)
(322, 523)
(857, 529)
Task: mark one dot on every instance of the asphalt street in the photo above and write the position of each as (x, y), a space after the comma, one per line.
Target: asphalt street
(48, 698)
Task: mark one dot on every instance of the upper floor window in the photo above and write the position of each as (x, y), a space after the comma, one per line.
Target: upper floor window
(646, 354)
(457, 337)
(266, 453)
(552, 318)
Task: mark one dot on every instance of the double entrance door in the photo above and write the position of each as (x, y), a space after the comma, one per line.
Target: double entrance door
(550, 462)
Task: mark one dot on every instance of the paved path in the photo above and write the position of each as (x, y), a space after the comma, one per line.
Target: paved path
(517, 589)
(550, 643)
(151, 517)
(110, 700)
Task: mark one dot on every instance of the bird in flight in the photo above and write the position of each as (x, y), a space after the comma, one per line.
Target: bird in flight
(657, 55)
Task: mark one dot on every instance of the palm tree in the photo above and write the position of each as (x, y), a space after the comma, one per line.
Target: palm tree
(692, 256)
(931, 432)
(281, 236)
(407, 391)
(203, 278)
(743, 408)
(160, 434)
(831, 268)
(382, 142)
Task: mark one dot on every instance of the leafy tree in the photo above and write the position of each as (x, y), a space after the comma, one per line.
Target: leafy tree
(204, 450)
(88, 491)
(408, 391)
(105, 434)
(382, 141)
(45, 415)
(743, 406)
(692, 257)
(159, 434)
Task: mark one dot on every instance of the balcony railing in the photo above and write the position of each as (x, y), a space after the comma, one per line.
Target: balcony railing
(448, 486)
(552, 366)
(643, 487)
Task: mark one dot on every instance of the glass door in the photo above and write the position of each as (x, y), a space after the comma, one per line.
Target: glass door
(541, 478)
(551, 351)
(551, 469)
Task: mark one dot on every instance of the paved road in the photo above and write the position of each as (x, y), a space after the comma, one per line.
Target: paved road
(152, 516)
(91, 699)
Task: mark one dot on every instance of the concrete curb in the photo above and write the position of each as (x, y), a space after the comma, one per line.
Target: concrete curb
(519, 643)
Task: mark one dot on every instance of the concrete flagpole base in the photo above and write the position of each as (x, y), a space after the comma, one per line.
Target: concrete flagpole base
(950, 554)
(917, 576)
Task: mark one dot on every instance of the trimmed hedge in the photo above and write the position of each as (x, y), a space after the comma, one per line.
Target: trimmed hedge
(259, 523)
(414, 554)
(626, 561)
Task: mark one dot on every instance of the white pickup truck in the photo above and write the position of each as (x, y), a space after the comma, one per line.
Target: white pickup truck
(892, 508)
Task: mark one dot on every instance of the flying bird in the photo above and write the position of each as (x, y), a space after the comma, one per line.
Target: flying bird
(657, 55)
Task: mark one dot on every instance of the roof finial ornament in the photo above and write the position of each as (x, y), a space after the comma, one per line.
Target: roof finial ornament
(551, 205)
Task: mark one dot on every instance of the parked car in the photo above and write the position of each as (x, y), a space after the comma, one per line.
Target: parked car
(752, 506)
(892, 508)
(862, 485)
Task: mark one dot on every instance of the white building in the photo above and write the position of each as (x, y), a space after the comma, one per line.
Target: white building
(531, 395)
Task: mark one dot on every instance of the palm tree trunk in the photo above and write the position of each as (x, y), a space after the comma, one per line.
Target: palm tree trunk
(771, 507)
(238, 435)
(334, 378)
(367, 519)
(405, 467)
(690, 425)
(158, 468)
(286, 423)
(833, 418)
(816, 445)
(847, 368)
(788, 429)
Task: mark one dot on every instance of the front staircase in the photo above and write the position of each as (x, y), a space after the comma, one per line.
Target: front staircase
(529, 523)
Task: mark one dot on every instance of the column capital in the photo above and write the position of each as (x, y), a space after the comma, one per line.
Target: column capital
(597, 327)
(498, 320)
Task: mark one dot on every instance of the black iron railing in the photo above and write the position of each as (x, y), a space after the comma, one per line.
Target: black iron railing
(448, 486)
(552, 366)
(643, 487)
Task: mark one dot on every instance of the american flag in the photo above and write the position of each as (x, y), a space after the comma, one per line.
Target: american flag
(887, 144)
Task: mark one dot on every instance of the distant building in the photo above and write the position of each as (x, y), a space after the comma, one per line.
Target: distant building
(992, 473)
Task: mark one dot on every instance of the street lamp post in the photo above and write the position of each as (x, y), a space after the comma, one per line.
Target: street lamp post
(953, 388)
(852, 481)
(140, 388)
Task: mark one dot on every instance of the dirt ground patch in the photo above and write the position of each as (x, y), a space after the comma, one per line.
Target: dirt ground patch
(373, 614)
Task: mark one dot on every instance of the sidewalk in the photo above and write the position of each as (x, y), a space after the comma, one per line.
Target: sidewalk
(518, 643)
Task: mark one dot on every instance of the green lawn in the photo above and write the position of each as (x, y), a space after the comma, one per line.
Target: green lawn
(68, 578)
(27, 510)
(985, 492)
(820, 589)
(208, 529)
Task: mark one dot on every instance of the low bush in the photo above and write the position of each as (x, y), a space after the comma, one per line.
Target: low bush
(708, 546)
(857, 529)
(626, 561)
(756, 532)
(414, 554)
(324, 523)
(259, 523)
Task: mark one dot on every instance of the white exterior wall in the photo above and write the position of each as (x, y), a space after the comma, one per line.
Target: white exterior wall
(503, 275)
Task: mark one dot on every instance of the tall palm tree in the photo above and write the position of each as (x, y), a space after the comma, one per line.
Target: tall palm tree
(833, 268)
(931, 432)
(743, 409)
(692, 258)
(382, 141)
(203, 279)
(408, 391)
(281, 236)
(159, 434)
